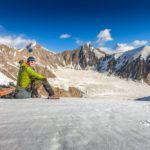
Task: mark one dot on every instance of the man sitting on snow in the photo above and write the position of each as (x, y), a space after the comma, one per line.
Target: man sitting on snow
(28, 79)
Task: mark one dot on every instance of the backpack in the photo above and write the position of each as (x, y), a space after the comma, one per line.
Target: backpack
(6, 91)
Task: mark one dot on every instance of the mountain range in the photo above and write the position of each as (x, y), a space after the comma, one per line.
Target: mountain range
(133, 64)
(82, 58)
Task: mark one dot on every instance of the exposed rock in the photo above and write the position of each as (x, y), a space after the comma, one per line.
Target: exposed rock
(134, 64)
(72, 92)
(10, 57)
(85, 57)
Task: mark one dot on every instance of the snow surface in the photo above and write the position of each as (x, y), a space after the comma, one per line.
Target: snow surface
(74, 124)
(143, 51)
(13, 64)
(48, 50)
(4, 79)
(15, 53)
(95, 84)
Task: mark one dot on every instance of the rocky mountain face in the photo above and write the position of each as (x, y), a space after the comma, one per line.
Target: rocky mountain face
(133, 64)
(82, 58)
(10, 57)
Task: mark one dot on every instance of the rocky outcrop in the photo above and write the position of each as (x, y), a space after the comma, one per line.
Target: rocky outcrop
(71, 92)
(82, 58)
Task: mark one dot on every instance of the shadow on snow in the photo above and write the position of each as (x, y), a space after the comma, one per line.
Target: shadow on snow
(143, 99)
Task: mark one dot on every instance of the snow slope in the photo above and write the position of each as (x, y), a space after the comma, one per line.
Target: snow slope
(94, 84)
(131, 55)
(74, 124)
(4, 79)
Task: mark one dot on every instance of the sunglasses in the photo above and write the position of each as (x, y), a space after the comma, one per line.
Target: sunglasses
(31, 61)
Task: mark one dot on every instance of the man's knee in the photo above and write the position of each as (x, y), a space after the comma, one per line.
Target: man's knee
(22, 93)
(44, 81)
(37, 84)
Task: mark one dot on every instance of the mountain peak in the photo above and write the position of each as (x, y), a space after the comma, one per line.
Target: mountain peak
(145, 52)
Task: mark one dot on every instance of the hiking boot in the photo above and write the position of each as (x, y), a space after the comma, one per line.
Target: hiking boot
(54, 97)
(35, 96)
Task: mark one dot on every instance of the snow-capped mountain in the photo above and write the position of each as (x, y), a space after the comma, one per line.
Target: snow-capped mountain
(132, 64)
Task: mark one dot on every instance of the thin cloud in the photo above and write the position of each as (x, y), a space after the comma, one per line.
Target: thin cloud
(130, 46)
(79, 42)
(122, 47)
(15, 41)
(139, 42)
(104, 36)
(64, 36)
(107, 50)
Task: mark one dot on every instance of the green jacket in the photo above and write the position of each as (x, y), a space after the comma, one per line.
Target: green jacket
(26, 75)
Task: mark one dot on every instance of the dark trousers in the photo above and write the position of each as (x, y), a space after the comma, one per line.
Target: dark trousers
(35, 84)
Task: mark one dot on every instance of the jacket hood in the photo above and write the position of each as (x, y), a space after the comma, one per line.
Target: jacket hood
(24, 65)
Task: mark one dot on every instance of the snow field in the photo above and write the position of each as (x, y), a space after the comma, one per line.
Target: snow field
(74, 123)
(95, 84)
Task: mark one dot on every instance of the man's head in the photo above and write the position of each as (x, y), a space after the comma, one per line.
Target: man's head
(31, 61)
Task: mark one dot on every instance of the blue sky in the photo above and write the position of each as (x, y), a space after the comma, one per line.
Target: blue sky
(66, 24)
